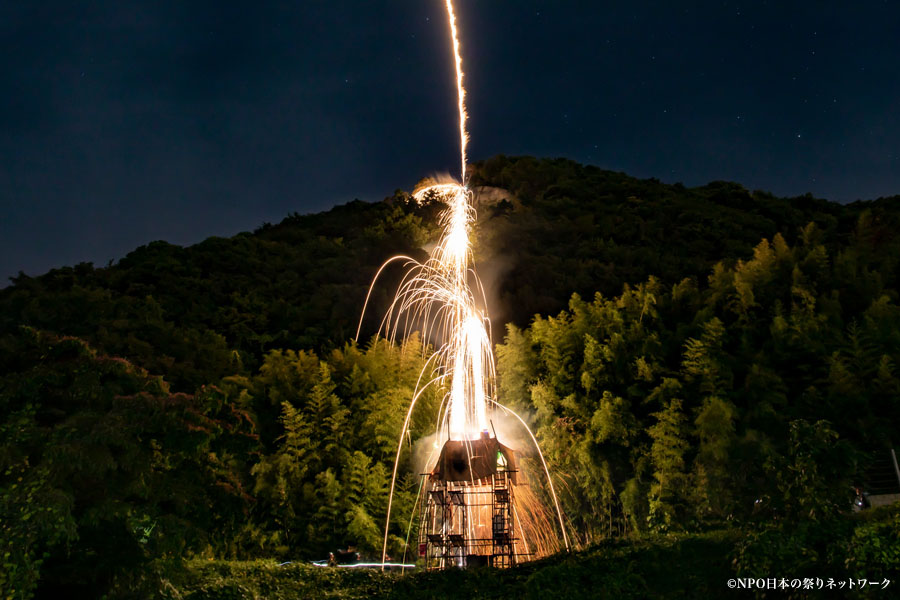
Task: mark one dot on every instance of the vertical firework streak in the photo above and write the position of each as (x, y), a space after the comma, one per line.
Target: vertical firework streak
(460, 91)
(435, 297)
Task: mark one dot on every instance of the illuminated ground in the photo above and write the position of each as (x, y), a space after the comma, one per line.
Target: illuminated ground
(672, 566)
(619, 570)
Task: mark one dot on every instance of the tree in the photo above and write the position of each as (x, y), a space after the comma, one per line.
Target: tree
(670, 493)
(712, 482)
(103, 470)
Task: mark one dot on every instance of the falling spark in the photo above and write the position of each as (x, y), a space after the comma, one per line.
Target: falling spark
(562, 526)
(435, 297)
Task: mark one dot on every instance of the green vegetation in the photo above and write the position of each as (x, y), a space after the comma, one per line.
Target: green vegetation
(176, 423)
(758, 393)
(108, 476)
(696, 565)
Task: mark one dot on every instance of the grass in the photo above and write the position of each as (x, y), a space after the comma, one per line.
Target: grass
(688, 566)
(674, 566)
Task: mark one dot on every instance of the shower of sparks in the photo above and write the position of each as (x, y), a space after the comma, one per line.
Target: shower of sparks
(435, 297)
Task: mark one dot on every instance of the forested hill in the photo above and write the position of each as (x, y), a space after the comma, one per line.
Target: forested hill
(703, 358)
(198, 313)
(574, 228)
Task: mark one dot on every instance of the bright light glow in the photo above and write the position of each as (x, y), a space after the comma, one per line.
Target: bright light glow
(435, 297)
(460, 90)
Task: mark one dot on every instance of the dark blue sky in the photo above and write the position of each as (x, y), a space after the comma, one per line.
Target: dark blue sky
(125, 122)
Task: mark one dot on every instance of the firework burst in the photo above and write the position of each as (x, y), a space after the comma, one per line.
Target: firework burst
(435, 296)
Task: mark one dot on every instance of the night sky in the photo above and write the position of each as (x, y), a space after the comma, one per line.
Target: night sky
(126, 122)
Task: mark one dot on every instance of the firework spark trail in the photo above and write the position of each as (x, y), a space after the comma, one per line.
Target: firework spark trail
(460, 91)
(562, 526)
(434, 296)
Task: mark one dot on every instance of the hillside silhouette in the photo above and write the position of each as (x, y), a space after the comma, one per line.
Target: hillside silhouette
(200, 312)
(710, 372)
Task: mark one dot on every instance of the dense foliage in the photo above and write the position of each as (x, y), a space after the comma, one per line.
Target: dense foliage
(200, 313)
(570, 228)
(214, 309)
(103, 470)
(323, 479)
(107, 476)
(735, 366)
(761, 392)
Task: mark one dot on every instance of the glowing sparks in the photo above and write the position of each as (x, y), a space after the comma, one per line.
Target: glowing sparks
(435, 297)
(460, 90)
